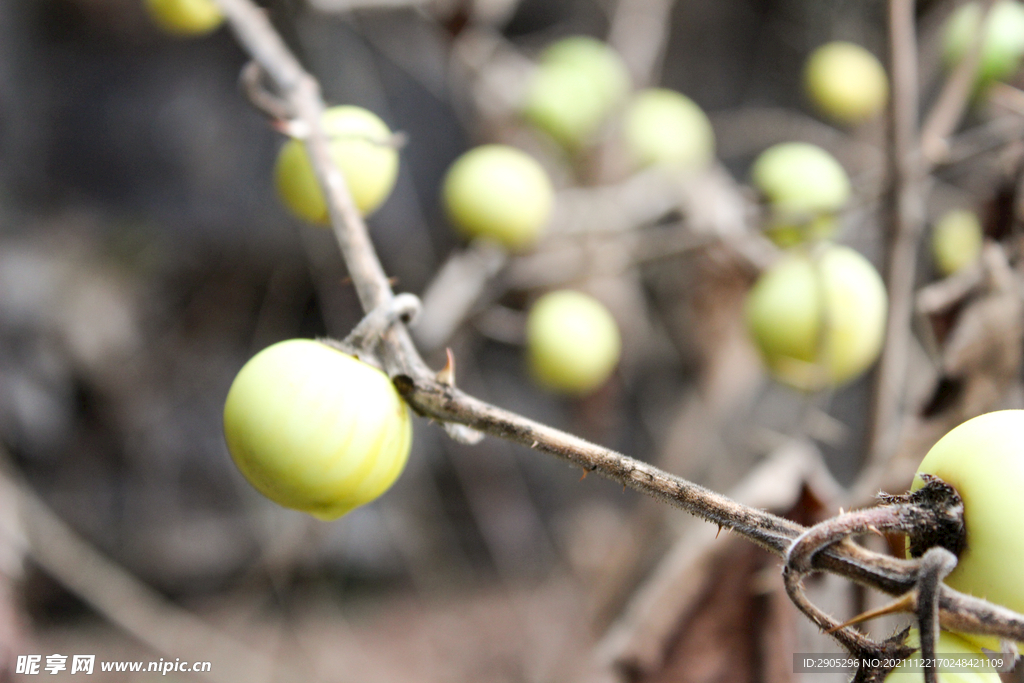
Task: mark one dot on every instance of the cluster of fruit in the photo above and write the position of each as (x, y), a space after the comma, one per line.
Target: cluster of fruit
(317, 430)
(278, 415)
(818, 314)
(498, 193)
(957, 236)
(502, 194)
(580, 83)
(980, 458)
(830, 297)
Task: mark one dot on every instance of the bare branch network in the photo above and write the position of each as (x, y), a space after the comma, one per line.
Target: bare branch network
(433, 397)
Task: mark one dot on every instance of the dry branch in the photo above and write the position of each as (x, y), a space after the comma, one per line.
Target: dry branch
(123, 599)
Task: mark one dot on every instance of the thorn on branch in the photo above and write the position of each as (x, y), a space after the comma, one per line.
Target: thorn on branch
(446, 375)
(908, 603)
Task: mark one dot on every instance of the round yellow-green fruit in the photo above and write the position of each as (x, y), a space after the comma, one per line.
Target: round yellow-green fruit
(818, 317)
(185, 17)
(572, 341)
(949, 644)
(983, 459)
(578, 81)
(1003, 42)
(804, 187)
(956, 241)
(361, 148)
(499, 193)
(600, 61)
(315, 429)
(846, 82)
(664, 128)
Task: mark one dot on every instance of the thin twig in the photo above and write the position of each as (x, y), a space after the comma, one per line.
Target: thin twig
(448, 403)
(905, 228)
(956, 93)
(124, 600)
(454, 292)
(640, 31)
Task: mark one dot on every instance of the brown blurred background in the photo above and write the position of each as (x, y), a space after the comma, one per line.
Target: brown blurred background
(144, 257)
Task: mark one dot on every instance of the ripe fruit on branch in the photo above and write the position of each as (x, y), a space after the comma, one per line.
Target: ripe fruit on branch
(949, 644)
(315, 429)
(361, 148)
(572, 341)
(983, 461)
(664, 128)
(185, 17)
(818, 317)
(1003, 42)
(578, 82)
(500, 193)
(846, 82)
(956, 241)
(804, 187)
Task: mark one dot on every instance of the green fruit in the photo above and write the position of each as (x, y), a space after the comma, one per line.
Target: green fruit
(956, 241)
(664, 128)
(573, 342)
(819, 319)
(564, 104)
(577, 83)
(361, 148)
(1003, 43)
(499, 193)
(315, 429)
(948, 644)
(804, 187)
(846, 82)
(185, 17)
(982, 459)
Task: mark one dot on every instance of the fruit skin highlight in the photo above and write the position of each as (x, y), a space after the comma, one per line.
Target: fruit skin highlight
(1003, 45)
(983, 459)
(572, 341)
(947, 644)
(500, 193)
(360, 144)
(818, 319)
(804, 187)
(665, 128)
(846, 82)
(578, 81)
(956, 241)
(184, 18)
(315, 429)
